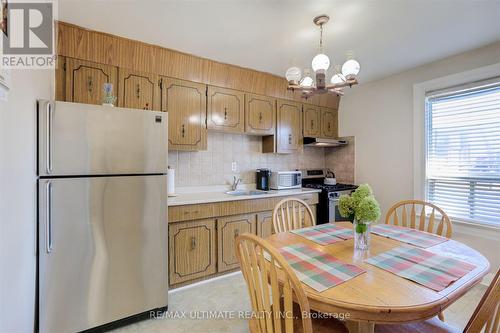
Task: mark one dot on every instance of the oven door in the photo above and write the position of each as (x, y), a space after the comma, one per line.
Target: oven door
(333, 207)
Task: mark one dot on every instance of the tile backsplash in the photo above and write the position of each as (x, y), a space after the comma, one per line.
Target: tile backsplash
(213, 166)
(342, 161)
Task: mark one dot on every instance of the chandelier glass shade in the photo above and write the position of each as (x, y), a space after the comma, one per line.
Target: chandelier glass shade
(320, 64)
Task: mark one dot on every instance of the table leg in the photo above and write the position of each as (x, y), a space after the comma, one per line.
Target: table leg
(360, 327)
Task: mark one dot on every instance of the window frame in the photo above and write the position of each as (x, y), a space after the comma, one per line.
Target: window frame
(420, 92)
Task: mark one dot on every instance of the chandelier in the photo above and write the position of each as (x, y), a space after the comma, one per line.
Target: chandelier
(320, 64)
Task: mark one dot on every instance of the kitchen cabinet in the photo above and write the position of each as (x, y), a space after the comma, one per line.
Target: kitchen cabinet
(288, 138)
(214, 227)
(311, 121)
(186, 105)
(260, 114)
(225, 110)
(191, 250)
(329, 123)
(84, 81)
(138, 90)
(228, 228)
(265, 224)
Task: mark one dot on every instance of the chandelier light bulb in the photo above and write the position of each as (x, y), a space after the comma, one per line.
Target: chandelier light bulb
(307, 80)
(320, 62)
(293, 75)
(338, 78)
(350, 68)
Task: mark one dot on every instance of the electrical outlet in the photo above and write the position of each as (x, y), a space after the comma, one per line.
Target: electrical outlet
(234, 167)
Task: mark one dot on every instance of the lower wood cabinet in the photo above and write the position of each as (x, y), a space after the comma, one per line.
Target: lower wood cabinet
(202, 236)
(192, 248)
(228, 228)
(265, 224)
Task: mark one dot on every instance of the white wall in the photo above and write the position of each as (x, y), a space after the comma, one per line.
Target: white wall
(17, 198)
(380, 115)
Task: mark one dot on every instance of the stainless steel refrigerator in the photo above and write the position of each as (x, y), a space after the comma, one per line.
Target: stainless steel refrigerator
(102, 214)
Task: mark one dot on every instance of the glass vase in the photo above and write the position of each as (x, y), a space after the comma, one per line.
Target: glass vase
(361, 235)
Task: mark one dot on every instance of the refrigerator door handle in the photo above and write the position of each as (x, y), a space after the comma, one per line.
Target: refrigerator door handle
(48, 142)
(48, 218)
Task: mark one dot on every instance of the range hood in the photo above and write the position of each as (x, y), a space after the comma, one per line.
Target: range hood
(323, 143)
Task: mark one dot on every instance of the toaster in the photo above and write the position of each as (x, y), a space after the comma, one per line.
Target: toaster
(283, 180)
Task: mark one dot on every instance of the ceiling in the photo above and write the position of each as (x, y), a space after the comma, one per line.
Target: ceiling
(386, 36)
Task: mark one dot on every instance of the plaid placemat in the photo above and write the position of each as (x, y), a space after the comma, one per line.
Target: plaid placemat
(426, 268)
(317, 269)
(407, 235)
(324, 234)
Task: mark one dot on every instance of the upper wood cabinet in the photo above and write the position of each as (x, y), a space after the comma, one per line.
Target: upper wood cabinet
(288, 127)
(329, 123)
(186, 105)
(85, 81)
(191, 250)
(260, 114)
(228, 228)
(138, 90)
(311, 120)
(225, 110)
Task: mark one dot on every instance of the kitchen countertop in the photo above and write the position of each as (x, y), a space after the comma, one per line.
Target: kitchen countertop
(220, 196)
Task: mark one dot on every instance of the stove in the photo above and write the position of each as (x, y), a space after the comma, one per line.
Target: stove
(327, 210)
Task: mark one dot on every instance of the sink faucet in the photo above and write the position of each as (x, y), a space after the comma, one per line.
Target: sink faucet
(236, 181)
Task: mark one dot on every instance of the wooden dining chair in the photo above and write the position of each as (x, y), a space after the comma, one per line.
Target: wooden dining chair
(276, 294)
(486, 315)
(404, 213)
(292, 213)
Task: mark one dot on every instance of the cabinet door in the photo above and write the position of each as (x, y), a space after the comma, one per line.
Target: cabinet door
(85, 81)
(138, 90)
(191, 250)
(265, 224)
(186, 104)
(311, 121)
(260, 114)
(225, 110)
(329, 127)
(228, 228)
(289, 127)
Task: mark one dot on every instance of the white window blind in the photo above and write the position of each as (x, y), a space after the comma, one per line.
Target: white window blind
(463, 151)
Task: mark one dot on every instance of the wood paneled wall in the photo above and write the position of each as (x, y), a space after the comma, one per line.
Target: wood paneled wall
(77, 42)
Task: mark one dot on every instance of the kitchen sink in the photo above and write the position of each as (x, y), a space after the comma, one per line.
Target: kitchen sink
(243, 192)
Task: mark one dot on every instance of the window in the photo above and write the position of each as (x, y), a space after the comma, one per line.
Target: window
(462, 131)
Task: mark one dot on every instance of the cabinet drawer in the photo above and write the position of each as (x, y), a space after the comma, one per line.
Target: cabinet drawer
(190, 212)
(191, 250)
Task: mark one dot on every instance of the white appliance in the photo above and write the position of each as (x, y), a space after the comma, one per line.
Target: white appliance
(102, 208)
(283, 180)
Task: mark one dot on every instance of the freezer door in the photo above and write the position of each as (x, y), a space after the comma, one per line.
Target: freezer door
(84, 139)
(102, 250)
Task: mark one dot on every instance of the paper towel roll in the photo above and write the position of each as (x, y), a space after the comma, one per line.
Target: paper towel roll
(171, 181)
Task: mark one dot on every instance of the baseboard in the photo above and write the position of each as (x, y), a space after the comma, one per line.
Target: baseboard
(191, 285)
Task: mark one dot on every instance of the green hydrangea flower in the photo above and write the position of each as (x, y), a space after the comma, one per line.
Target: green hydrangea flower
(345, 206)
(367, 210)
(363, 191)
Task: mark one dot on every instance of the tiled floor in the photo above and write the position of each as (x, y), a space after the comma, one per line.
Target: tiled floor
(230, 294)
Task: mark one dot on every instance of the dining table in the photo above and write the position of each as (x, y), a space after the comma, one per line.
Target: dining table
(377, 295)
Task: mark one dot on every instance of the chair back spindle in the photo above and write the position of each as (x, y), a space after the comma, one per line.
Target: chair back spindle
(292, 213)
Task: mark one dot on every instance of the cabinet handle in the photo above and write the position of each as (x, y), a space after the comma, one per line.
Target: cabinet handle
(289, 139)
(236, 233)
(90, 84)
(225, 113)
(260, 117)
(183, 130)
(138, 90)
(193, 243)
(312, 124)
(329, 126)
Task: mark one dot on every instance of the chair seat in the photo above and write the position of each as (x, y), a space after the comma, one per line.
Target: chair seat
(319, 325)
(433, 325)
